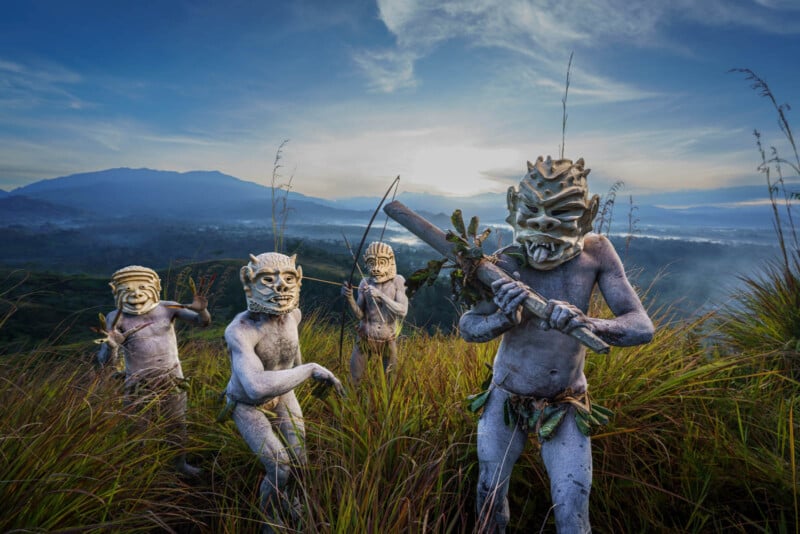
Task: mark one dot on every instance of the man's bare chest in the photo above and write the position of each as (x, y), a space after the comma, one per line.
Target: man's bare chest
(277, 348)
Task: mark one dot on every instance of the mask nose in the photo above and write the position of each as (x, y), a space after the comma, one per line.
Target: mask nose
(543, 223)
(280, 285)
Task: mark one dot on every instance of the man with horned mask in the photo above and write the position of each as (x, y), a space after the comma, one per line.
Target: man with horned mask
(143, 326)
(380, 308)
(538, 384)
(266, 366)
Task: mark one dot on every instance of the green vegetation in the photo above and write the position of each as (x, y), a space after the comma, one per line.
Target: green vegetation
(704, 436)
(702, 440)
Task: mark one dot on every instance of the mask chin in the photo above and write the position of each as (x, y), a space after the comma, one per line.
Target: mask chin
(273, 304)
(380, 278)
(145, 308)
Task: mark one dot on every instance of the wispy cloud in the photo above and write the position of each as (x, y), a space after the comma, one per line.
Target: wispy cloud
(28, 85)
(387, 70)
(539, 29)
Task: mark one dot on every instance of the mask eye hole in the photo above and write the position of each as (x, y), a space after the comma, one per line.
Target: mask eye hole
(267, 279)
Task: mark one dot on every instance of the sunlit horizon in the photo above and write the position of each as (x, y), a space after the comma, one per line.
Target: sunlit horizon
(453, 98)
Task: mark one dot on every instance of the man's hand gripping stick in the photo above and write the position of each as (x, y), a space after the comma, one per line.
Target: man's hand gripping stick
(486, 271)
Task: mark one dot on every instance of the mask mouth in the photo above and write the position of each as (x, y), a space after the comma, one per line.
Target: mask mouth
(275, 305)
(283, 300)
(542, 249)
(139, 307)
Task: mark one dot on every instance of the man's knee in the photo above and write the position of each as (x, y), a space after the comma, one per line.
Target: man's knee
(277, 474)
(570, 495)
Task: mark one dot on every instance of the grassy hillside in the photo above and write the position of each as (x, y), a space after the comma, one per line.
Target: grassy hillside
(703, 441)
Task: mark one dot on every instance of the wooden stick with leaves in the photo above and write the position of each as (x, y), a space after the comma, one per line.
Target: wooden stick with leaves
(466, 244)
(474, 264)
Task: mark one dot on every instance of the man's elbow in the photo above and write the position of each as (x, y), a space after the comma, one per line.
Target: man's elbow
(645, 332)
(470, 334)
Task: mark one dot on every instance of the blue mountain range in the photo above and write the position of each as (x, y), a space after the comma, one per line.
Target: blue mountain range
(214, 196)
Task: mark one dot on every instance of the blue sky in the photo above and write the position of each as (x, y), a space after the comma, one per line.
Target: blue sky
(454, 96)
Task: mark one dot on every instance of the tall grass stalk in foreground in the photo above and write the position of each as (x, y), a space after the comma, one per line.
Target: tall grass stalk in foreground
(280, 195)
(765, 315)
(9, 307)
(763, 320)
(701, 442)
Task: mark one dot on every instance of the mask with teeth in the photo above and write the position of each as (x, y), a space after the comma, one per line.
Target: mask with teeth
(272, 283)
(136, 289)
(379, 258)
(551, 211)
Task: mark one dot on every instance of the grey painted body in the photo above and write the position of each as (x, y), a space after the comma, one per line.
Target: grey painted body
(150, 352)
(266, 366)
(536, 358)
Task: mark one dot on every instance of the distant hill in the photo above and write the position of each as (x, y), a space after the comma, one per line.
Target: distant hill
(214, 197)
(16, 208)
(195, 195)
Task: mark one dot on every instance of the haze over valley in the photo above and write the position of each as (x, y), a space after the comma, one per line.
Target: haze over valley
(687, 247)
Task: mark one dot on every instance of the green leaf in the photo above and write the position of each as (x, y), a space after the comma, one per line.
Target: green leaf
(481, 238)
(477, 401)
(591, 419)
(454, 238)
(458, 223)
(488, 382)
(602, 410)
(518, 256)
(475, 253)
(426, 275)
(583, 426)
(551, 422)
(507, 412)
(533, 418)
(473, 227)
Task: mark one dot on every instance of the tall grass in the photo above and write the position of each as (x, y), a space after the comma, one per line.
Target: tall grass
(701, 442)
(280, 195)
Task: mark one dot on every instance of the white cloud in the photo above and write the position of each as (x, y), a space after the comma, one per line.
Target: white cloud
(666, 159)
(780, 4)
(387, 70)
(540, 29)
(24, 85)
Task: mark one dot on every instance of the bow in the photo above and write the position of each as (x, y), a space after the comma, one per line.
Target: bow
(355, 262)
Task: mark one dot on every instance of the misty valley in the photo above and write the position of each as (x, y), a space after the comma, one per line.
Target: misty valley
(65, 236)
(66, 270)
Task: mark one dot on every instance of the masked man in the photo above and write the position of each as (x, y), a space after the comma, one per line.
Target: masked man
(266, 366)
(380, 308)
(143, 326)
(538, 369)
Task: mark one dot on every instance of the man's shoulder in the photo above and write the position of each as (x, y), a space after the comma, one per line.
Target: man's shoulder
(241, 321)
(597, 244)
(593, 239)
